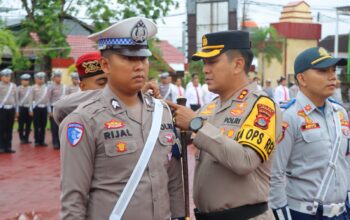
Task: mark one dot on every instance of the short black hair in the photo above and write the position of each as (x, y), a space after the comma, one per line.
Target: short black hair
(247, 55)
(193, 75)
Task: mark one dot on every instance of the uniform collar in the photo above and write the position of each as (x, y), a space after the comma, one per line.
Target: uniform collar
(240, 96)
(308, 106)
(117, 106)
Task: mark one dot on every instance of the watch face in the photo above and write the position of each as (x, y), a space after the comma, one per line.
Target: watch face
(196, 124)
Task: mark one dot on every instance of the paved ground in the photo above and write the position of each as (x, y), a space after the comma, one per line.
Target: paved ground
(29, 180)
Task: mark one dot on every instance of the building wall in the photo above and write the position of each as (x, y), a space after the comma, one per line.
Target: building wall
(286, 68)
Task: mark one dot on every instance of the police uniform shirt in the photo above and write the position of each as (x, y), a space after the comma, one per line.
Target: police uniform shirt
(68, 103)
(303, 155)
(72, 89)
(41, 96)
(100, 145)
(235, 149)
(57, 91)
(12, 99)
(24, 100)
(166, 91)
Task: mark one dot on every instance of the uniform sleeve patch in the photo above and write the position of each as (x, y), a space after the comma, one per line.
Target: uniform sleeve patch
(284, 128)
(259, 129)
(75, 133)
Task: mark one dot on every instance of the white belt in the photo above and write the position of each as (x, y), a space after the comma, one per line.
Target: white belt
(7, 107)
(41, 106)
(329, 210)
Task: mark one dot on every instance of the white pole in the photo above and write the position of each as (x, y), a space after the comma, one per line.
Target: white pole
(336, 36)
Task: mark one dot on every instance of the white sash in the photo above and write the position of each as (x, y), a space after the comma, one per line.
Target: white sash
(41, 98)
(7, 95)
(327, 178)
(63, 90)
(167, 93)
(25, 96)
(140, 167)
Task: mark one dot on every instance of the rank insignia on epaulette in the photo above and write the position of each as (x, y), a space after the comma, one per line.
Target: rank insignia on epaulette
(115, 104)
(121, 147)
(209, 109)
(243, 94)
(308, 107)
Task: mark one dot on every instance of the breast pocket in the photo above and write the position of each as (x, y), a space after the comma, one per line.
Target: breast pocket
(166, 141)
(316, 145)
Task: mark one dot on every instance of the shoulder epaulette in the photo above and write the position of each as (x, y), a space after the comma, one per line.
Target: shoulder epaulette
(288, 104)
(335, 102)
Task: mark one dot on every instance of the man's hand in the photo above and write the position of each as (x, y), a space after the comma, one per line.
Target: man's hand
(182, 115)
(153, 86)
(31, 114)
(50, 114)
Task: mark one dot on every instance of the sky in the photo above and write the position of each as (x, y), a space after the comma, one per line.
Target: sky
(171, 27)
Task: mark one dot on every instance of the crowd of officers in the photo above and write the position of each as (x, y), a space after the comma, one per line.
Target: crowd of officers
(256, 159)
(30, 104)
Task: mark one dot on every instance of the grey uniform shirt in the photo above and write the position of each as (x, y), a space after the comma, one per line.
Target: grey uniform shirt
(12, 98)
(228, 174)
(303, 154)
(101, 143)
(41, 96)
(165, 91)
(25, 96)
(72, 89)
(56, 92)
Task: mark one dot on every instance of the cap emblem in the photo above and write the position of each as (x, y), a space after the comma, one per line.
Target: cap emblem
(323, 52)
(91, 66)
(204, 41)
(139, 32)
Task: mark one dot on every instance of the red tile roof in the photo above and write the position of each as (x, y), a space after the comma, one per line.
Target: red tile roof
(170, 53)
(80, 45)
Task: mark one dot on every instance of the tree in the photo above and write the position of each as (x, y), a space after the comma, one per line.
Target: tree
(267, 44)
(45, 19)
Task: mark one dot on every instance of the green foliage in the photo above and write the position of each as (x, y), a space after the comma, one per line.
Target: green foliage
(105, 12)
(8, 43)
(156, 66)
(195, 67)
(267, 43)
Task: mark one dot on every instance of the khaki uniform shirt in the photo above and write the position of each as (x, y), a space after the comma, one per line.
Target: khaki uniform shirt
(12, 98)
(56, 92)
(235, 148)
(100, 145)
(68, 103)
(72, 89)
(25, 96)
(41, 96)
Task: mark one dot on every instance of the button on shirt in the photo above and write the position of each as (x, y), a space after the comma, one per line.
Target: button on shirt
(304, 152)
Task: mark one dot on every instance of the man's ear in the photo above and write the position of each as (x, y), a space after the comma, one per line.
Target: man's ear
(82, 85)
(238, 65)
(301, 79)
(104, 62)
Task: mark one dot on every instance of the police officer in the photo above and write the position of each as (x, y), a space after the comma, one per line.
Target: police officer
(102, 140)
(25, 109)
(166, 87)
(41, 108)
(235, 134)
(8, 104)
(57, 91)
(75, 84)
(313, 152)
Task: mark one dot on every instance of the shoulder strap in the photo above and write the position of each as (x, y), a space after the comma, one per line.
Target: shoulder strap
(140, 167)
(63, 90)
(327, 178)
(7, 95)
(41, 98)
(25, 96)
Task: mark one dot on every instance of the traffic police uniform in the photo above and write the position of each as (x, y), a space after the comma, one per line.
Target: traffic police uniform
(56, 92)
(24, 109)
(166, 90)
(235, 145)
(73, 88)
(310, 176)
(102, 141)
(41, 107)
(8, 104)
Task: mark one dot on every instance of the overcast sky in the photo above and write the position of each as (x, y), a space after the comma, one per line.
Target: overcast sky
(262, 14)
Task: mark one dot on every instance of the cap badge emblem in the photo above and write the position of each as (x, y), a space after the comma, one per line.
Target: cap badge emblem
(204, 41)
(139, 32)
(323, 52)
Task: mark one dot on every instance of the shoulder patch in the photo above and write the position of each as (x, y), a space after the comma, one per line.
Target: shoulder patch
(288, 104)
(259, 128)
(75, 133)
(334, 101)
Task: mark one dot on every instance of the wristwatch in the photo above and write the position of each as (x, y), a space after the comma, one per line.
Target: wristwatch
(196, 124)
